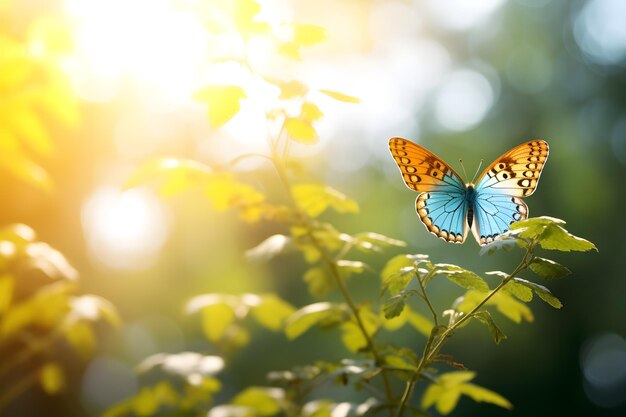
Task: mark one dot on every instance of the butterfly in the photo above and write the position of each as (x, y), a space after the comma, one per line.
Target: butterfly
(448, 207)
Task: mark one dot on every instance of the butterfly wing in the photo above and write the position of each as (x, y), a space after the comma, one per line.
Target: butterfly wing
(442, 206)
(513, 175)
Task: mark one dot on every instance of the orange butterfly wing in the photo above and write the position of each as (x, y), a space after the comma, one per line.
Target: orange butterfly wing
(421, 169)
(517, 171)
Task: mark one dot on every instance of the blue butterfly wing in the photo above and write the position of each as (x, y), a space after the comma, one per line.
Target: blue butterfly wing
(493, 215)
(442, 206)
(497, 204)
(444, 213)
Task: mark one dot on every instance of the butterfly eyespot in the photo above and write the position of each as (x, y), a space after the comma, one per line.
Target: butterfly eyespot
(505, 176)
(500, 166)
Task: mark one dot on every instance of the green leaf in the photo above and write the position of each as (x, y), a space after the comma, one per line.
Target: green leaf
(308, 316)
(541, 291)
(394, 306)
(397, 273)
(222, 101)
(514, 288)
(269, 248)
(446, 392)
(314, 199)
(504, 303)
(271, 312)
(264, 401)
(550, 234)
(340, 96)
(319, 282)
(557, 238)
(532, 227)
(548, 269)
(480, 394)
(218, 313)
(461, 277)
(352, 335)
(485, 318)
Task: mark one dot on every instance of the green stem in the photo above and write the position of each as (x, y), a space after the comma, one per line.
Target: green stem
(334, 270)
(430, 352)
(425, 297)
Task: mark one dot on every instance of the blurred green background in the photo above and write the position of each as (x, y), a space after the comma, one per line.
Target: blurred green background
(466, 79)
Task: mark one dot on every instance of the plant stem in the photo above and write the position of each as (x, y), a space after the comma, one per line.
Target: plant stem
(334, 270)
(430, 352)
(427, 300)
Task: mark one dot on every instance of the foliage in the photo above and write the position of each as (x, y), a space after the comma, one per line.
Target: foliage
(41, 315)
(33, 91)
(334, 257)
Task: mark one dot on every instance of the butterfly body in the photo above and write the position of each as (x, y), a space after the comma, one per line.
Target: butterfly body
(449, 208)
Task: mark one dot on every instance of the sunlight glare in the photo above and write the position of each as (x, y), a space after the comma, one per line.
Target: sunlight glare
(125, 230)
(147, 40)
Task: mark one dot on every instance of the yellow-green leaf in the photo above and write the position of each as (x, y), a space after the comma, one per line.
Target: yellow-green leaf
(216, 319)
(180, 174)
(310, 112)
(52, 378)
(272, 312)
(264, 401)
(548, 269)
(314, 199)
(480, 394)
(222, 101)
(308, 316)
(290, 50)
(340, 96)
(352, 334)
(301, 130)
(397, 273)
(319, 282)
(245, 12)
(81, 336)
(505, 304)
(308, 35)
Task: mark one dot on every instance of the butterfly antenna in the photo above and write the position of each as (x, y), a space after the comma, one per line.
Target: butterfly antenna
(463, 167)
(478, 169)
